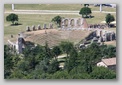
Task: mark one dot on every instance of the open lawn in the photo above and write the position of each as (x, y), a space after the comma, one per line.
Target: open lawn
(31, 19)
(98, 17)
(72, 7)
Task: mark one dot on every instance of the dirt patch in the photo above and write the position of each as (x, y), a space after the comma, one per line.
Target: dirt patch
(111, 43)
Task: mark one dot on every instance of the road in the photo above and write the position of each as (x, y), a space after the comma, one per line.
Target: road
(49, 12)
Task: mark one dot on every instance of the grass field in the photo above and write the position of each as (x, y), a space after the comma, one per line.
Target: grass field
(73, 7)
(31, 19)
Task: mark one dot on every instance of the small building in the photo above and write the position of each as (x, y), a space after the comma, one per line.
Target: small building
(108, 63)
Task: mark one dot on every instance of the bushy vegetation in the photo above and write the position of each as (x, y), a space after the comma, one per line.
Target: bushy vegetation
(41, 62)
(109, 18)
(85, 11)
(57, 20)
(12, 18)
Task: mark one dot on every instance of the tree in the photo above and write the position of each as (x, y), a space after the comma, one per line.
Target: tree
(109, 18)
(66, 47)
(56, 50)
(8, 62)
(71, 63)
(12, 17)
(54, 66)
(44, 65)
(102, 73)
(57, 20)
(47, 51)
(61, 75)
(85, 11)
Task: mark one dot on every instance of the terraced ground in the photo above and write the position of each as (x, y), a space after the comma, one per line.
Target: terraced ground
(54, 36)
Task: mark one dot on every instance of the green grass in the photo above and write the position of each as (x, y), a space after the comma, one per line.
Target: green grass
(29, 20)
(7, 7)
(32, 19)
(98, 17)
(74, 7)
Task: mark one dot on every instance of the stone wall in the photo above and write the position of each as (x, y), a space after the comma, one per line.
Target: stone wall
(74, 23)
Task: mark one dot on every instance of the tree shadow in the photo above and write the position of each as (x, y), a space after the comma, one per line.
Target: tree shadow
(16, 24)
(89, 16)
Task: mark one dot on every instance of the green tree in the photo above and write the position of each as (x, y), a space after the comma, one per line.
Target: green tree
(8, 61)
(85, 11)
(47, 51)
(72, 61)
(109, 18)
(57, 20)
(23, 65)
(111, 51)
(61, 75)
(102, 73)
(54, 66)
(44, 65)
(108, 51)
(66, 47)
(56, 50)
(12, 17)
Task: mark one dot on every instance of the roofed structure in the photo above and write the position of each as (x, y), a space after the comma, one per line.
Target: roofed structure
(109, 63)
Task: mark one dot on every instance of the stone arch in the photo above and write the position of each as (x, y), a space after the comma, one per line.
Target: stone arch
(72, 22)
(66, 22)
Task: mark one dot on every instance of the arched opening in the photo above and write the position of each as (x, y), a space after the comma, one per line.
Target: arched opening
(72, 23)
(66, 22)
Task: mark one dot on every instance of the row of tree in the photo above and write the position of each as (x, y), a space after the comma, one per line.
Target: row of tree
(42, 62)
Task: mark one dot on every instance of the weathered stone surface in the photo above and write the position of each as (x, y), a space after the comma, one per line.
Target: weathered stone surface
(28, 28)
(74, 23)
(39, 27)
